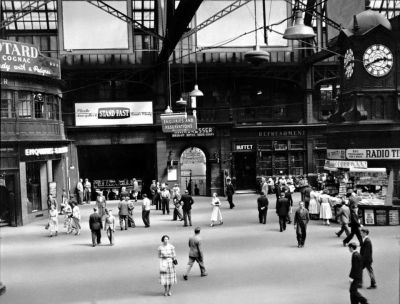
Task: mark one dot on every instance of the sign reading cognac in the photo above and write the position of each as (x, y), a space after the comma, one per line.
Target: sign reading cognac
(16, 57)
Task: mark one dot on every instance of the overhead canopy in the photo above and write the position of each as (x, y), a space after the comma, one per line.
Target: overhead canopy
(381, 170)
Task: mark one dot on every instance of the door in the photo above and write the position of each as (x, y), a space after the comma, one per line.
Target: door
(245, 170)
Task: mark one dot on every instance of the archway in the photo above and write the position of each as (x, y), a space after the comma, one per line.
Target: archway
(193, 164)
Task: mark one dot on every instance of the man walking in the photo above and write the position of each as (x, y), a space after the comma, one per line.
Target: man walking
(282, 210)
(230, 190)
(146, 210)
(354, 225)
(301, 219)
(123, 213)
(187, 202)
(195, 254)
(356, 276)
(95, 224)
(366, 253)
(262, 204)
(344, 218)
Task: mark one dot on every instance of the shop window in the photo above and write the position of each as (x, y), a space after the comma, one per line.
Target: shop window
(24, 104)
(280, 145)
(327, 95)
(264, 165)
(33, 186)
(319, 160)
(7, 108)
(296, 144)
(281, 163)
(297, 163)
(38, 100)
(52, 107)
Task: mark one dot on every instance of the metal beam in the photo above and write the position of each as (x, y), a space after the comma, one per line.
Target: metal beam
(116, 13)
(222, 13)
(31, 7)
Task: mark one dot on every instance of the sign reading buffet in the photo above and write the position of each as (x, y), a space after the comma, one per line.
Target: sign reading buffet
(17, 57)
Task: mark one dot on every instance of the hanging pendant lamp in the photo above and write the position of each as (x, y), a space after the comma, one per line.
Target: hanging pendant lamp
(196, 92)
(299, 30)
(181, 102)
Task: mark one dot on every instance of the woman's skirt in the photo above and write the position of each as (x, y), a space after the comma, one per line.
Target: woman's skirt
(167, 272)
(313, 207)
(216, 215)
(53, 224)
(325, 211)
(75, 223)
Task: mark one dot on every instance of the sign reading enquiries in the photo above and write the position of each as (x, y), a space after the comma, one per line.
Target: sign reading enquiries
(178, 123)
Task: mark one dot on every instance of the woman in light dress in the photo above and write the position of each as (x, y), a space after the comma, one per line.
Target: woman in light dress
(53, 221)
(313, 206)
(325, 212)
(68, 217)
(216, 215)
(167, 255)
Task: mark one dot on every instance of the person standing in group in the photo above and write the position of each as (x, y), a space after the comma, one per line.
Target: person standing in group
(76, 219)
(53, 221)
(216, 215)
(230, 190)
(165, 197)
(195, 254)
(301, 219)
(366, 253)
(123, 213)
(355, 276)
(344, 217)
(187, 202)
(313, 206)
(288, 195)
(146, 203)
(282, 210)
(264, 185)
(270, 186)
(100, 203)
(176, 196)
(123, 194)
(64, 201)
(79, 190)
(325, 212)
(307, 196)
(109, 225)
(87, 191)
(95, 225)
(153, 190)
(68, 217)
(167, 256)
(158, 196)
(354, 227)
(262, 205)
(131, 206)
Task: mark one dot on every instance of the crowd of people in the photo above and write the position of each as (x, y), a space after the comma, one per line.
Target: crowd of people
(314, 204)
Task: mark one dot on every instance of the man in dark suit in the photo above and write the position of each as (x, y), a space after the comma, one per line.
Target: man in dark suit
(230, 190)
(366, 253)
(262, 204)
(356, 276)
(186, 201)
(282, 210)
(195, 254)
(301, 219)
(95, 224)
(354, 225)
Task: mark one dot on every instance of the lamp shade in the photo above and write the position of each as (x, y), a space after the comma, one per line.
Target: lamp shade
(196, 92)
(298, 30)
(168, 110)
(181, 102)
(257, 56)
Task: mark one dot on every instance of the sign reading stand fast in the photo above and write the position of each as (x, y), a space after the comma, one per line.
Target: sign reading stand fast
(23, 58)
(114, 113)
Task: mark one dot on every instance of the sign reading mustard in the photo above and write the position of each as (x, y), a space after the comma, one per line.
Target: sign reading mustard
(376, 153)
(17, 57)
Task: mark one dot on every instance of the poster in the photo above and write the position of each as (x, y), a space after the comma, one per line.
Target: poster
(53, 189)
(172, 175)
(394, 217)
(381, 217)
(369, 217)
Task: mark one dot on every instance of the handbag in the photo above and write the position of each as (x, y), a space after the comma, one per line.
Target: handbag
(47, 226)
(175, 261)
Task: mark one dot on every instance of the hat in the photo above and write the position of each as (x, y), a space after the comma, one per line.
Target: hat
(228, 178)
(197, 229)
(353, 245)
(186, 191)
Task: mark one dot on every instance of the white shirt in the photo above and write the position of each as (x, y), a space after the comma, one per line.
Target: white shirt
(146, 204)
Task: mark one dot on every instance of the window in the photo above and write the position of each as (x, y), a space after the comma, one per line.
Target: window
(7, 107)
(144, 12)
(52, 107)
(33, 186)
(296, 144)
(24, 104)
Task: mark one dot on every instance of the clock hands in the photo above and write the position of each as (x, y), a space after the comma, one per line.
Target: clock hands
(376, 60)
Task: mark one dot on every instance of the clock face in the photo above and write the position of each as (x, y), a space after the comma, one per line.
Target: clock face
(378, 60)
(348, 63)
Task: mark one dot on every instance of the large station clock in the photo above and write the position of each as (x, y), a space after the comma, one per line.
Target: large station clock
(348, 63)
(378, 60)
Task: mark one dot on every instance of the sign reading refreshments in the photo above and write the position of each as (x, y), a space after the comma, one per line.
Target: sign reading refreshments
(17, 57)
(178, 123)
(113, 113)
(382, 153)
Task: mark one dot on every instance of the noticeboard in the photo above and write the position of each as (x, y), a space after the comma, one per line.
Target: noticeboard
(369, 217)
(394, 217)
(178, 123)
(53, 189)
(381, 219)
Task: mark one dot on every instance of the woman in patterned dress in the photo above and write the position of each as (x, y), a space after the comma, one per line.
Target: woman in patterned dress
(166, 254)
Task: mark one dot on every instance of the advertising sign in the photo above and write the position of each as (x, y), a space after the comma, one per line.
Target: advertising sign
(178, 123)
(53, 189)
(378, 153)
(200, 132)
(345, 164)
(394, 217)
(335, 154)
(369, 217)
(113, 113)
(17, 57)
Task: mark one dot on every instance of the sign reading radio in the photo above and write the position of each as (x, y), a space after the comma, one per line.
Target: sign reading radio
(383, 153)
(16, 57)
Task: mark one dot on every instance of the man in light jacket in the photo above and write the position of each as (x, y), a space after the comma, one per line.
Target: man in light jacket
(344, 218)
(195, 254)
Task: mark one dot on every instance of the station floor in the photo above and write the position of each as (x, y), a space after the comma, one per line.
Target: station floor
(247, 262)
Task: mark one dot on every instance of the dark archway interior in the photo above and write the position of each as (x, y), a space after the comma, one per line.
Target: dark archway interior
(118, 162)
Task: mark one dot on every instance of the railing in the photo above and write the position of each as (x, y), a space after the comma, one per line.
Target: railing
(31, 129)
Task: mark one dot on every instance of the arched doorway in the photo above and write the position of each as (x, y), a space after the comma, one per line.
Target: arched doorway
(193, 164)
